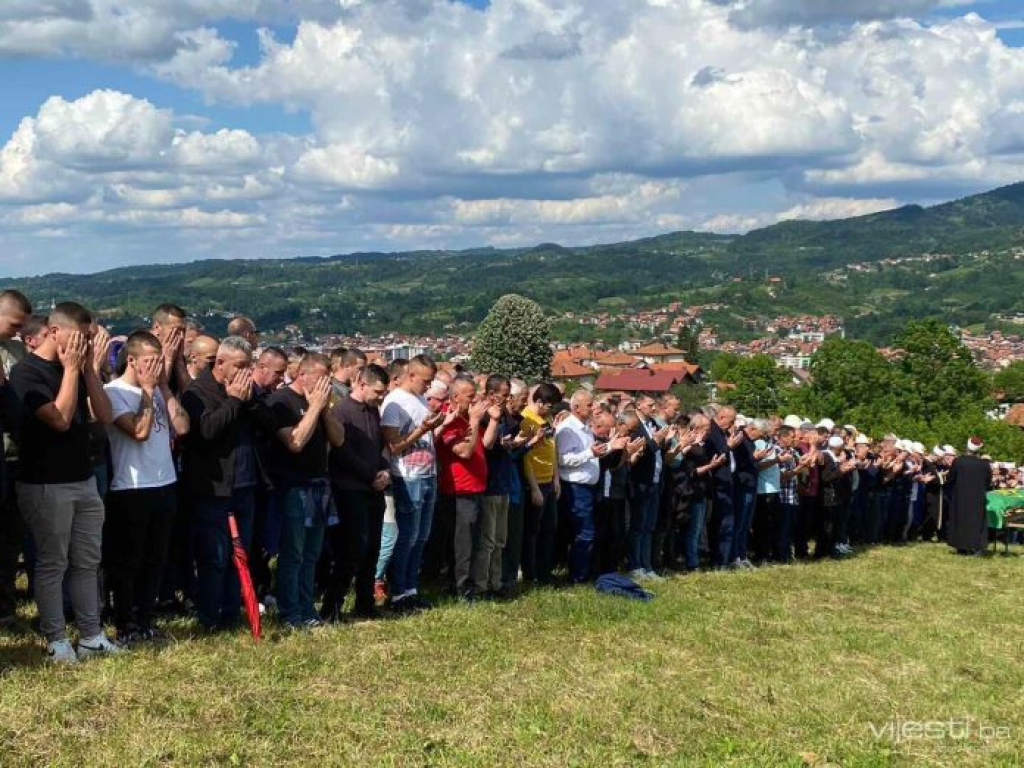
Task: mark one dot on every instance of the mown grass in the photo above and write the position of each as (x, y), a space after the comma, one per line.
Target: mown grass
(782, 666)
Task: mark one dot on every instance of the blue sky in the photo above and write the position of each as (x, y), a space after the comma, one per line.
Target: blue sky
(165, 130)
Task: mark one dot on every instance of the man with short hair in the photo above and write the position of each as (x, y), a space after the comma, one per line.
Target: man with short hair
(299, 418)
(359, 476)
(645, 489)
(142, 499)
(500, 477)
(462, 466)
(579, 469)
(408, 428)
(539, 468)
(15, 311)
(34, 331)
(169, 326)
(246, 328)
(58, 386)
(722, 439)
(201, 354)
(222, 471)
(345, 367)
(268, 374)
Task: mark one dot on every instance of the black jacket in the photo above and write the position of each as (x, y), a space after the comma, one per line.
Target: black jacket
(355, 463)
(209, 453)
(642, 473)
(718, 442)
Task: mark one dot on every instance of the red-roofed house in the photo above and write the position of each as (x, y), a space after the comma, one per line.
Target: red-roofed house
(635, 380)
(615, 358)
(661, 353)
(684, 369)
(567, 369)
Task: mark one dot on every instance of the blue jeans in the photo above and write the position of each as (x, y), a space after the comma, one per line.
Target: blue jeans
(746, 499)
(299, 550)
(414, 512)
(643, 518)
(218, 593)
(388, 537)
(694, 528)
(579, 501)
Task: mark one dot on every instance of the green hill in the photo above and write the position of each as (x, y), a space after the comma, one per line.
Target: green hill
(438, 290)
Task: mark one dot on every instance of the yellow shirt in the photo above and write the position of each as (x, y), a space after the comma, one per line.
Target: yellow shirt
(539, 462)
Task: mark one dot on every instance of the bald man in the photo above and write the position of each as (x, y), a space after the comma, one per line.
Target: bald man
(246, 328)
(202, 354)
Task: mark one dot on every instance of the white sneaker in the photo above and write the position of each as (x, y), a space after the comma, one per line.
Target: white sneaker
(97, 646)
(637, 574)
(61, 652)
(653, 576)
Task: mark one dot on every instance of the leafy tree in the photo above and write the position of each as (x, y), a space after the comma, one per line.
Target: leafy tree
(760, 386)
(724, 365)
(514, 339)
(850, 382)
(687, 341)
(1010, 381)
(938, 374)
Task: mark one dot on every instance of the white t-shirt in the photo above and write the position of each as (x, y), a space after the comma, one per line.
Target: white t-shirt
(145, 464)
(405, 412)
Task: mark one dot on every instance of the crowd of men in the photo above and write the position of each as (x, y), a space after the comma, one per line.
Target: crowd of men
(128, 463)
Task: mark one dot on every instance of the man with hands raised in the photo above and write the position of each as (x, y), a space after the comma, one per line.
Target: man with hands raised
(222, 472)
(142, 500)
(57, 386)
(304, 431)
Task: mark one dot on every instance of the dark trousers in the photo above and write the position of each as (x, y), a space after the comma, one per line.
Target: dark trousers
(439, 552)
(12, 534)
(771, 529)
(578, 501)
(643, 519)
(355, 547)
(803, 525)
(179, 568)
(610, 534)
(136, 534)
(218, 593)
(469, 509)
(266, 534)
(825, 531)
(511, 556)
(539, 536)
(744, 502)
(722, 524)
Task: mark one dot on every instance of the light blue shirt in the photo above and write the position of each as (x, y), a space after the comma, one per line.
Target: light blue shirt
(769, 479)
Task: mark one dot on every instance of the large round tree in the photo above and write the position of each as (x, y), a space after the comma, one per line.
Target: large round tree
(514, 339)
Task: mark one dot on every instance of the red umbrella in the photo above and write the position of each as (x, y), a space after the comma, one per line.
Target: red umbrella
(252, 606)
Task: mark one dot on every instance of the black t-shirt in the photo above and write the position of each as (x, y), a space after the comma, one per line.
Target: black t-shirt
(48, 456)
(286, 409)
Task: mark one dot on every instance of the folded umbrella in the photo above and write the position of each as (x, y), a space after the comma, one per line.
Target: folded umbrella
(241, 558)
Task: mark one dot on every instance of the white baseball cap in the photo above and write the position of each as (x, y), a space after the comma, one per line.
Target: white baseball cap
(836, 442)
(862, 439)
(827, 424)
(792, 421)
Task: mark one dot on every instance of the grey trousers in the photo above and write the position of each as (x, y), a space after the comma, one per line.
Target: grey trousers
(66, 520)
(469, 509)
(493, 535)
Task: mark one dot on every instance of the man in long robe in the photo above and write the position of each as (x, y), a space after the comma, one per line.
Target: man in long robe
(970, 477)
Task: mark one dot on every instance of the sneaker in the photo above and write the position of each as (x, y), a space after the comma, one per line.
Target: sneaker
(736, 565)
(61, 652)
(653, 576)
(314, 623)
(747, 565)
(421, 603)
(638, 574)
(97, 646)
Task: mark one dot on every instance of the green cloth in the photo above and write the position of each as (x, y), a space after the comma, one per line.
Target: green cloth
(998, 503)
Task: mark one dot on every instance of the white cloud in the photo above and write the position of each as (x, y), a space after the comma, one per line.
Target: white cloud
(437, 124)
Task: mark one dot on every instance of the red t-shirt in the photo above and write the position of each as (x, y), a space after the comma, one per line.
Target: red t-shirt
(458, 475)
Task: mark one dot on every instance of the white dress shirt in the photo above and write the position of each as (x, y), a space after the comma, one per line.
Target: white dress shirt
(576, 462)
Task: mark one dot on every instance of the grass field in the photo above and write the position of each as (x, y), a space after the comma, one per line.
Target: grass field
(792, 665)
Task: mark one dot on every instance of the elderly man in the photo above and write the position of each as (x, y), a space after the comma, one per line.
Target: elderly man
(645, 479)
(462, 464)
(722, 440)
(222, 471)
(970, 478)
(579, 470)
